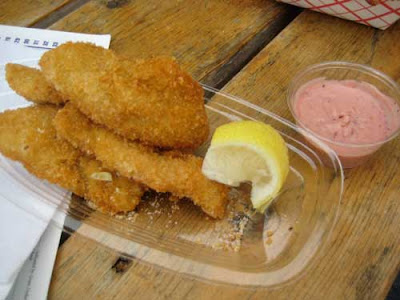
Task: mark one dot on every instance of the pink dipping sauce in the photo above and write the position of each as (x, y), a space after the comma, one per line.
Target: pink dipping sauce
(347, 113)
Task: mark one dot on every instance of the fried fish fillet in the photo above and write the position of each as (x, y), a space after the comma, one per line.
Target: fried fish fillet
(31, 84)
(173, 171)
(28, 136)
(153, 100)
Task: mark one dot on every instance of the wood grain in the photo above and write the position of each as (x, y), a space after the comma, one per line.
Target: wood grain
(203, 36)
(362, 257)
(27, 12)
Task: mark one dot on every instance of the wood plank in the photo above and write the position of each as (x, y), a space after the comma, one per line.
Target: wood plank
(202, 36)
(27, 12)
(362, 257)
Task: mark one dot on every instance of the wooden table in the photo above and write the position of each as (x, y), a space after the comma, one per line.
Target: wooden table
(250, 49)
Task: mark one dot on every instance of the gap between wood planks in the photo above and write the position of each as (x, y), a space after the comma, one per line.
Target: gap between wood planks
(216, 78)
(58, 14)
(219, 77)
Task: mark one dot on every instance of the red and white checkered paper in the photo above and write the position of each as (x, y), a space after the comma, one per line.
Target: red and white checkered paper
(379, 16)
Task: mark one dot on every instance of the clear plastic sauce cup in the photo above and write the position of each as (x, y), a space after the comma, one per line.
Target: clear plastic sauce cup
(343, 118)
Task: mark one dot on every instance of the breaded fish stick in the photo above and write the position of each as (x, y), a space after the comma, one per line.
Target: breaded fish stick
(172, 171)
(153, 101)
(28, 136)
(31, 84)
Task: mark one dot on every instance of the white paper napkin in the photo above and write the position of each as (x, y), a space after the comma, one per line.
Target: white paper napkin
(27, 204)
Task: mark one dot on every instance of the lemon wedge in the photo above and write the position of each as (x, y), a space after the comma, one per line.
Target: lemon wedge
(248, 151)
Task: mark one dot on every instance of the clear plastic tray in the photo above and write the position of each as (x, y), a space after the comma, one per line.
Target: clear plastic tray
(246, 248)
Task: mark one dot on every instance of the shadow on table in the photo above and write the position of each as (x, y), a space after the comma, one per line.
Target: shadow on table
(394, 293)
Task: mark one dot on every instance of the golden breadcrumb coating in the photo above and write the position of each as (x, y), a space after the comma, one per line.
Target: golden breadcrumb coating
(118, 195)
(153, 100)
(28, 136)
(173, 171)
(31, 84)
